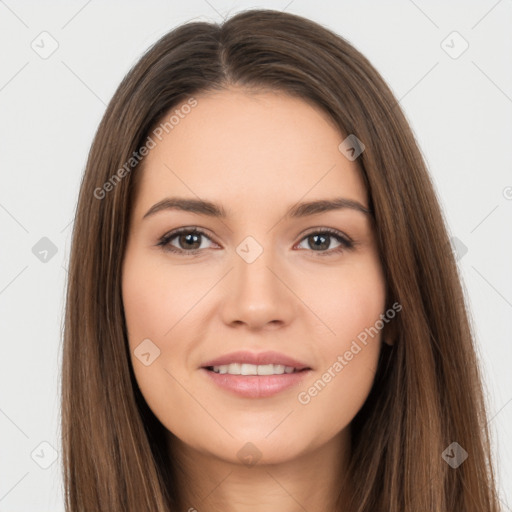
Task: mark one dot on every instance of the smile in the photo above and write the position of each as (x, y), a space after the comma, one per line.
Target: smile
(252, 369)
(255, 385)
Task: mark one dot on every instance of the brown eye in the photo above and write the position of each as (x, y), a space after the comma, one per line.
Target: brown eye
(320, 241)
(190, 240)
(186, 241)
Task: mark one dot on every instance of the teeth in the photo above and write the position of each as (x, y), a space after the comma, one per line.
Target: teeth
(253, 369)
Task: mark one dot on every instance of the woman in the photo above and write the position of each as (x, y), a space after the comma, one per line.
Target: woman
(264, 310)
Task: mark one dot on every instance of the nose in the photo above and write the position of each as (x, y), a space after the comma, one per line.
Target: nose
(258, 294)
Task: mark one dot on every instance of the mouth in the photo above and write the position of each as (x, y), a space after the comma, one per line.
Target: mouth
(253, 369)
(244, 362)
(255, 374)
(255, 381)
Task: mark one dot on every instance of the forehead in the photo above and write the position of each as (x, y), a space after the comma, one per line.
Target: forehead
(251, 149)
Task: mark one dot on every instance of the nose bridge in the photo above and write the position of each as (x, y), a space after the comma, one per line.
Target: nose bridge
(253, 263)
(257, 294)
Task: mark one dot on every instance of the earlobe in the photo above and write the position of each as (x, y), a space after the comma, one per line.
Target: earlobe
(390, 333)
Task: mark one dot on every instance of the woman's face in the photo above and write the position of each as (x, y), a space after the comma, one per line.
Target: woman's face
(264, 279)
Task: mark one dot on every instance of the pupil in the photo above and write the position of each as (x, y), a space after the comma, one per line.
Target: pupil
(190, 238)
(322, 245)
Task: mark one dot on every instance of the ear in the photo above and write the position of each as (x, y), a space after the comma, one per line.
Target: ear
(390, 332)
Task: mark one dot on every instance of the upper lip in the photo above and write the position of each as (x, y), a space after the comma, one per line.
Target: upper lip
(257, 358)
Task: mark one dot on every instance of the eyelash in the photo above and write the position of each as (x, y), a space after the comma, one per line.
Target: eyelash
(345, 242)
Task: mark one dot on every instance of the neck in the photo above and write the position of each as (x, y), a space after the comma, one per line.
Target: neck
(312, 481)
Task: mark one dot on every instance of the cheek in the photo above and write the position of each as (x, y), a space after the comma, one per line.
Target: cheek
(350, 300)
(154, 300)
(153, 308)
(350, 354)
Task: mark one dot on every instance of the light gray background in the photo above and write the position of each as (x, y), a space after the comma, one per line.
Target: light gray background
(459, 108)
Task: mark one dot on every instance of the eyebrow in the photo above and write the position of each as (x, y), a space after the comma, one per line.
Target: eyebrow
(305, 209)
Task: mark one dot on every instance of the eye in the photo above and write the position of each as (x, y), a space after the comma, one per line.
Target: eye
(188, 240)
(319, 241)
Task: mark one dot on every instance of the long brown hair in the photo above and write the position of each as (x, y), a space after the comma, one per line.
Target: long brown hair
(428, 390)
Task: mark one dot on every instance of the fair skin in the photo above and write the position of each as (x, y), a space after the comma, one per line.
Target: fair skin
(256, 155)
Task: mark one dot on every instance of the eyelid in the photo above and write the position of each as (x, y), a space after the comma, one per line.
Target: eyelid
(331, 231)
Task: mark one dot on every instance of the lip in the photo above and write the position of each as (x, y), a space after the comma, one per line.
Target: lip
(256, 386)
(257, 358)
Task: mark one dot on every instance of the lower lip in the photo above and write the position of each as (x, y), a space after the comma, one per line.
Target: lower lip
(256, 386)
